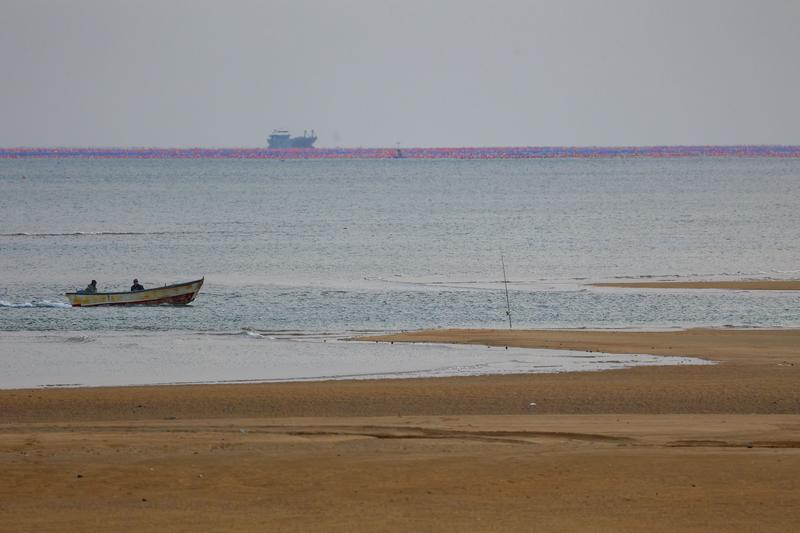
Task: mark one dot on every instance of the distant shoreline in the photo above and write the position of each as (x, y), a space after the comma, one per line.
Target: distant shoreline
(522, 152)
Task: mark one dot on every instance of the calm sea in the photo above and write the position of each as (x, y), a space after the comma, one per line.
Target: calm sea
(376, 245)
(347, 245)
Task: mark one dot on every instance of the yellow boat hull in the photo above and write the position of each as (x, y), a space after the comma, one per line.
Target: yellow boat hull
(178, 294)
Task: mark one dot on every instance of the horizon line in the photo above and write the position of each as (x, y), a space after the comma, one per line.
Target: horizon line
(465, 147)
(496, 152)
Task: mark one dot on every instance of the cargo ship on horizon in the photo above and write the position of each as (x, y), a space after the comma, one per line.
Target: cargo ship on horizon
(282, 139)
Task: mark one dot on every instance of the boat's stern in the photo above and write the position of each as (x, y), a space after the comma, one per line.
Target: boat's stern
(77, 299)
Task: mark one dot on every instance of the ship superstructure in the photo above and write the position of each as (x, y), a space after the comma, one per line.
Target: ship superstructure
(282, 139)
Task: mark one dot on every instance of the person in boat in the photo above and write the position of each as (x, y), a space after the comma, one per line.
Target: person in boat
(136, 286)
(90, 288)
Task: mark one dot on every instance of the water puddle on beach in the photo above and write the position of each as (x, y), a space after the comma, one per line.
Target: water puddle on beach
(69, 359)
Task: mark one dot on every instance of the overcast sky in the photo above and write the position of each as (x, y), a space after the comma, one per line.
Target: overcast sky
(418, 72)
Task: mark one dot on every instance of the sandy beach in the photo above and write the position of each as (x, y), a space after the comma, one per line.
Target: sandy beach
(693, 448)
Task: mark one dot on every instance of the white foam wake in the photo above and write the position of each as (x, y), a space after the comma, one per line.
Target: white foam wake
(35, 303)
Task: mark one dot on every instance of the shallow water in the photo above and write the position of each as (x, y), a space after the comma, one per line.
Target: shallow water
(125, 358)
(349, 246)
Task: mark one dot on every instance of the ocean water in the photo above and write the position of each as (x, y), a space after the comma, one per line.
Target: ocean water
(342, 246)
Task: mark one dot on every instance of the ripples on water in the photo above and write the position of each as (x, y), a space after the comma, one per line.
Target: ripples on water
(376, 245)
(312, 310)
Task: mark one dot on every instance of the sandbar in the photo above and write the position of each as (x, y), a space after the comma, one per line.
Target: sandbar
(739, 285)
(693, 448)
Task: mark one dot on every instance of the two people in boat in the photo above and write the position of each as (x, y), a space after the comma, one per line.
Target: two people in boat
(92, 287)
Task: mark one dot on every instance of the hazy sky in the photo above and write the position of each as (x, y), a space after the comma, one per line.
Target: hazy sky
(418, 72)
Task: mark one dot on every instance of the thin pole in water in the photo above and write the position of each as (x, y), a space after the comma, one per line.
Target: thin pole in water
(505, 283)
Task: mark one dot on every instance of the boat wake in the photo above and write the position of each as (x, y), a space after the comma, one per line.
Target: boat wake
(35, 303)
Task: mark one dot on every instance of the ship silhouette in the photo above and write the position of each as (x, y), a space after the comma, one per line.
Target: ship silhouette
(282, 139)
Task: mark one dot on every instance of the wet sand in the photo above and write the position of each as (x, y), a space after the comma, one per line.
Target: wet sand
(690, 448)
(742, 285)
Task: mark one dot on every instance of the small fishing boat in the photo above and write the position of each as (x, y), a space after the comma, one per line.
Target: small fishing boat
(177, 294)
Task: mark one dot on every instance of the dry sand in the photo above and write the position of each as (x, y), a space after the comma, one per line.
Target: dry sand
(703, 448)
(748, 285)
